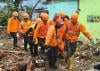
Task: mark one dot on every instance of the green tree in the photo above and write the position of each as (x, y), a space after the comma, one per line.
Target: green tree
(14, 2)
(11, 5)
(5, 13)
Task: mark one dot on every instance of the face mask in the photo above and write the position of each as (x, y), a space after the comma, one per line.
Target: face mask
(15, 17)
(74, 21)
(44, 21)
(25, 19)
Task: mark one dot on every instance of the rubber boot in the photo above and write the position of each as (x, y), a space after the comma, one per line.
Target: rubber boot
(70, 63)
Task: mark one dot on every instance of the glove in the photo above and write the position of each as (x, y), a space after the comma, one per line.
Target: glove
(35, 41)
(46, 49)
(18, 35)
(92, 43)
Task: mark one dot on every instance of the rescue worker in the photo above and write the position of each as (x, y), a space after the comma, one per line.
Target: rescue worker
(51, 43)
(41, 30)
(60, 33)
(27, 34)
(30, 33)
(59, 39)
(64, 16)
(73, 29)
(13, 27)
(55, 18)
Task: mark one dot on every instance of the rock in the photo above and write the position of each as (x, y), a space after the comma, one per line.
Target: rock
(1, 69)
(2, 54)
(62, 67)
(22, 67)
(97, 66)
(1, 45)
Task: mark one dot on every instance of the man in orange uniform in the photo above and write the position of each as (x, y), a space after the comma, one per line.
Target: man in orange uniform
(51, 43)
(13, 27)
(41, 30)
(55, 18)
(72, 33)
(64, 16)
(27, 35)
(61, 32)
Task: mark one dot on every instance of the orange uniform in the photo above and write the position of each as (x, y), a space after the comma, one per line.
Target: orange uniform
(51, 37)
(41, 29)
(60, 34)
(61, 31)
(25, 26)
(74, 28)
(13, 25)
(51, 22)
(73, 31)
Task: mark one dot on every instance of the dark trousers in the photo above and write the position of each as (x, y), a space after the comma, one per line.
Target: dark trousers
(35, 49)
(41, 43)
(25, 42)
(14, 36)
(28, 40)
(52, 56)
(71, 48)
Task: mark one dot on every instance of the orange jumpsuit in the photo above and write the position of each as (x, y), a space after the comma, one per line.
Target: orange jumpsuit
(40, 33)
(41, 29)
(25, 26)
(51, 43)
(73, 31)
(51, 37)
(60, 34)
(13, 25)
(12, 28)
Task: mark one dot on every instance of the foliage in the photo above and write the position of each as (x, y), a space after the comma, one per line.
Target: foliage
(12, 5)
(5, 13)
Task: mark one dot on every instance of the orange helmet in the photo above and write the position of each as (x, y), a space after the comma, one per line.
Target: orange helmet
(56, 16)
(26, 15)
(62, 14)
(41, 14)
(44, 16)
(15, 13)
(74, 16)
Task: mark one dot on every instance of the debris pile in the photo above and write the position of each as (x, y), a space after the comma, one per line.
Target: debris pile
(14, 60)
(86, 57)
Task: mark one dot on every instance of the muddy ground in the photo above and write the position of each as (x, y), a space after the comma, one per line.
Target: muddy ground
(19, 60)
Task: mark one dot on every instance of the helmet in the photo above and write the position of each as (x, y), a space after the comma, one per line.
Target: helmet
(15, 13)
(26, 15)
(74, 16)
(56, 16)
(59, 23)
(44, 16)
(62, 14)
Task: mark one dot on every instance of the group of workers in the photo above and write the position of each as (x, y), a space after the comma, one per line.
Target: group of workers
(57, 35)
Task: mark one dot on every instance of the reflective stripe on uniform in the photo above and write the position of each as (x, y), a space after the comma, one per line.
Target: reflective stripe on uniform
(72, 31)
